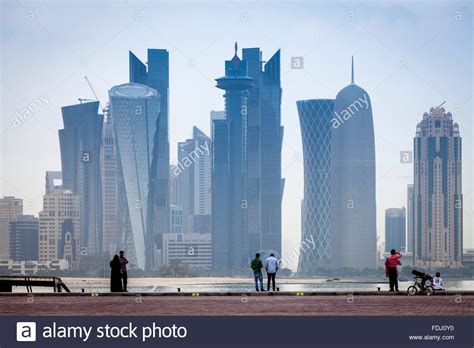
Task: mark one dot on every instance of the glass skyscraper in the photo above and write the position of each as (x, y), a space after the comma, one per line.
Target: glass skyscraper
(157, 77)
(80, 142)
(134, 110)
(353, 207)
(395, 229)
(438, 199)
(338, 209)
(230, 238)
(315, 121)
(264, 145)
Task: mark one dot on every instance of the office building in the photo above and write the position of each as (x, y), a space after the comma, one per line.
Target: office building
(54, 180)
(315, 121)
(192, 249)
(157, 77)
(24, 235)
(264, 146)
(134, 111)
(410, 220)
(395, 229)
(60, 228)
(80, 142)
(230, 237)
(10, 208)
(193, 173)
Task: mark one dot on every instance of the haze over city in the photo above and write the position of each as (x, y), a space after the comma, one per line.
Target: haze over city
(409, 57)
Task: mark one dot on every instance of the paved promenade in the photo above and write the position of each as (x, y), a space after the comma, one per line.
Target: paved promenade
(252, 304)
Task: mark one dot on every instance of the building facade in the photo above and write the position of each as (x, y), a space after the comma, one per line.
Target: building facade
(438, 198)
(24, 236)
(193, 249)
(395, 229)
(410, 218)
(60, 228)
(134, 111)
(353, 186)
(80, 142)
(315, 121)
(264, 146)
(157, 77)
(111, 237)
(10, 208)
(193, 173)
(54, 180)
(230, 237)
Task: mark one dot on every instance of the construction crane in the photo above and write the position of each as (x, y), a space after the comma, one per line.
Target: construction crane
(104, 110)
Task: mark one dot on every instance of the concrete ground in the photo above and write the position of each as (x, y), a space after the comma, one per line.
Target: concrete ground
(250, 304)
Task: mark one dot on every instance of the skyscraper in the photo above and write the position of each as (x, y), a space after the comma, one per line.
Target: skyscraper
(410, 218)
(80, 161)
(111, 237)
(315, 121)
(230, 238)
(157, 77)
(10, 208)
(438, 199)
(24, 235)
(353, 208)
(193, 173)
(134, 110)
(264, 145)
(60, 227)
(395, 232)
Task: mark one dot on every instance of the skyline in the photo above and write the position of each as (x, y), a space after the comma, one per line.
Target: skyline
(397, 107)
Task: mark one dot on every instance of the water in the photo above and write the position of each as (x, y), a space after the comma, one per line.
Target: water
(205, 285)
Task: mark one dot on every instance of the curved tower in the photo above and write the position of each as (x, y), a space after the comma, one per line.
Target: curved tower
(315, 122)
(353, 208)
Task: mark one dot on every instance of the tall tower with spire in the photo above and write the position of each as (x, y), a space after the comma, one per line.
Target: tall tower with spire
(229, 175)
(353, 206)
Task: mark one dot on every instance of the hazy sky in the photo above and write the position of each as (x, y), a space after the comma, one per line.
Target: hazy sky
(409, 56)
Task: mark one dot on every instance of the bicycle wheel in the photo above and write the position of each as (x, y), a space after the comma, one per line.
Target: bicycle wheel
(412, 290)
(429, 290)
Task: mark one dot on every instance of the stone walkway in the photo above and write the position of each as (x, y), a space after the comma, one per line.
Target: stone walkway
(236, 305)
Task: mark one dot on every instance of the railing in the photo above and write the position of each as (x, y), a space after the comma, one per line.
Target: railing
(7, 283)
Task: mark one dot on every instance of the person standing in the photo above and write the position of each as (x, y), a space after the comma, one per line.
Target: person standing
(271, 266)
(115, 275)
(391, 271)
(257, 266)
(123, 270)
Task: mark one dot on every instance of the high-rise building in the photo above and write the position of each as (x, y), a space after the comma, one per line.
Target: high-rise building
(264, 146)
(157, 77)
(353, 207)
(176, 219)
(134, 111)
(230, 238)
(395, 232)
(174, 189)
(193, 173)
(111, 237)
(10, 208)
(60, 228)
(410, 218)
(54, 180)
(315, 121)
(24, 235)
(80, 142)
(192, 249)
(438, 199)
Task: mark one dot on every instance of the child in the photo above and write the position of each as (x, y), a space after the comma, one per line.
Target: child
(438, 282)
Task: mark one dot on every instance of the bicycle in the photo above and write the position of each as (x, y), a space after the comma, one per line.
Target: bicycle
(416, 288)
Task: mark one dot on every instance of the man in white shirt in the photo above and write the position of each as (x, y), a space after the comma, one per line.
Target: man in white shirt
(438, 282)
(271, 266)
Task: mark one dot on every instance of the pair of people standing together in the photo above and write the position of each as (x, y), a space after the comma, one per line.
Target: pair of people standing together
(118, 275)
(271, 266)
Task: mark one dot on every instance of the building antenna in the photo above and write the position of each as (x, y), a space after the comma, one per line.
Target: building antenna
(440, 105)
